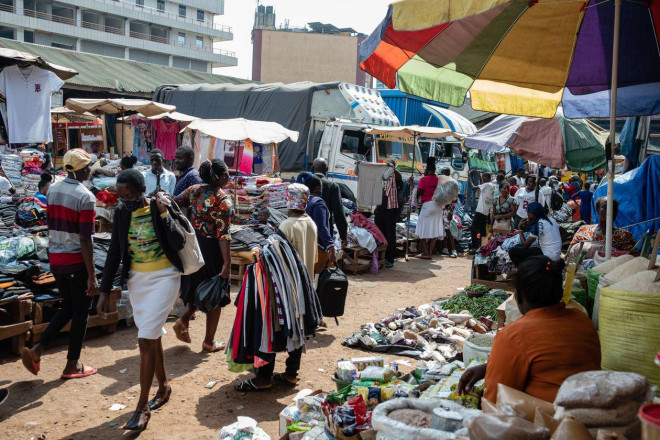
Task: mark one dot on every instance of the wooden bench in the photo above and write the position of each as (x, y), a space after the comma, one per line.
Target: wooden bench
(357, 259)
(491, 280)
(18, 330)
(108, 325)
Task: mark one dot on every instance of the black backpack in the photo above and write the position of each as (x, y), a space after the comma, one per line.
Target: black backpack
(332, 288)
(556, 201)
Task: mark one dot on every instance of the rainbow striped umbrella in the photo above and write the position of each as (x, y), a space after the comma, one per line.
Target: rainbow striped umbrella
(598, 58)
(521, 57)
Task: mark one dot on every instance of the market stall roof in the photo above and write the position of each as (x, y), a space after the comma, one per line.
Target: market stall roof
(63, 115)
(113, 106)
(557, 142)
(240, 129)
(175, 116)
(116, 74)
(451, 120)
(413, 131)
(9, 57)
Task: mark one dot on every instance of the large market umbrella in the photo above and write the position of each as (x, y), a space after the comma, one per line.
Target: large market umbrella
(119, 105)
(412, 133)
(577, 144)
(524, 57)
(63, 115)
(10, 57)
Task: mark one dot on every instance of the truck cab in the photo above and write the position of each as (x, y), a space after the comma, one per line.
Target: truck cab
(344, 143)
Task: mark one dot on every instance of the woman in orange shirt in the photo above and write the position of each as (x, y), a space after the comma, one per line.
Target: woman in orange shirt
(536, 353)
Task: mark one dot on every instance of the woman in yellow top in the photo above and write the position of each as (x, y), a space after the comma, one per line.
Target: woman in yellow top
(146, 238)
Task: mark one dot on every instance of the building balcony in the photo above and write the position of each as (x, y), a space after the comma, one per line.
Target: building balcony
(44, 22)
(132, 11)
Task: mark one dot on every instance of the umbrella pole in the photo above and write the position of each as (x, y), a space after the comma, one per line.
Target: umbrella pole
(412, 174)
(122, 134)
(609, 229)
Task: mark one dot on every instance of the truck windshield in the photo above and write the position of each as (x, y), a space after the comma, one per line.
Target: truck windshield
(404, 154)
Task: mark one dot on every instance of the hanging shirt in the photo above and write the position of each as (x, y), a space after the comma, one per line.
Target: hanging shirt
(166, 134)
(28, 103)
(485, 198)
(370, 183)
(524, 198)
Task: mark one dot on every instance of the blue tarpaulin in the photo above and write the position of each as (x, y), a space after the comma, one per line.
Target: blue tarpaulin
(638, 194)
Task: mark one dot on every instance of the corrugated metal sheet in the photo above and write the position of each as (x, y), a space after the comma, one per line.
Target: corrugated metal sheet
(409, 108)
(115, 74)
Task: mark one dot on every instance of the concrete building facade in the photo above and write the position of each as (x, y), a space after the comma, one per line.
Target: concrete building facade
(177, 33)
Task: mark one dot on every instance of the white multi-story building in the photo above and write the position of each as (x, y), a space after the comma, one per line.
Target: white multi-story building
(177, 33)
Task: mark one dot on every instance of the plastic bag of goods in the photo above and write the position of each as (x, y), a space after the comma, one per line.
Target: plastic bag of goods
(405, 419)
(629, 327)
(244, 429)
(446, 191)
(478, 346)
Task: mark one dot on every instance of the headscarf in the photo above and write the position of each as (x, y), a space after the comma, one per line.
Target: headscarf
(538, 211)
(303, 177)
(297, 196)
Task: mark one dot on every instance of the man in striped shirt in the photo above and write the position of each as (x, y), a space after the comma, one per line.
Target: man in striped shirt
(70, 226)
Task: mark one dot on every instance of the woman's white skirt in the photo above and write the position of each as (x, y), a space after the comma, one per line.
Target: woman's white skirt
(152, 296)
(430, 223)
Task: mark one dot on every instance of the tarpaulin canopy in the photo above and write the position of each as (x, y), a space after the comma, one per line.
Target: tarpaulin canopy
(242, 129)
(576, 144)
(287, 104)
(113, 106)
(63, 115)
(520, 57)
(638, 195)
(9, 57)
(175, 116)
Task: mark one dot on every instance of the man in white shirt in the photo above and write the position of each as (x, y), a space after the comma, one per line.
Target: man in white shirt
(484, 205)
(520, 177)
(524, 197)
(157, 176)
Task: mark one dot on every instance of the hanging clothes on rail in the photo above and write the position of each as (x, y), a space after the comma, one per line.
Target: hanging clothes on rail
(166, 135)
(277, 306)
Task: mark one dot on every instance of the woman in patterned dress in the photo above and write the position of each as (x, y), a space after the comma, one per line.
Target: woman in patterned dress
(210, 211)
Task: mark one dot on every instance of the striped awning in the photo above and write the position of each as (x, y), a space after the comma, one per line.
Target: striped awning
(451, 120)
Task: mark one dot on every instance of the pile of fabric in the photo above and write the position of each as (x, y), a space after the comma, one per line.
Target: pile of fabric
(277, 307)
(12, 164)
(275, 194)
(32, 170)
(495, 253)
(364, 232)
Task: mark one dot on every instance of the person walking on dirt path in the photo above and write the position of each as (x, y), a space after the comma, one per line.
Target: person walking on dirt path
(71, 218)
(480, 219)
(146, 238)
(210, 210)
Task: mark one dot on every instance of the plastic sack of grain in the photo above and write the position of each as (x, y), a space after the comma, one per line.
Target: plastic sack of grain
(627, 269)
(640, 282)
(446, 191)
(612, 263)
(629, 328)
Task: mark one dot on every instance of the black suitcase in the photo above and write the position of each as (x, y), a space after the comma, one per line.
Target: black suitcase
(332, 288)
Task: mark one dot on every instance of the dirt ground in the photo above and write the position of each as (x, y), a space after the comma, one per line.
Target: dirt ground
(45, 406)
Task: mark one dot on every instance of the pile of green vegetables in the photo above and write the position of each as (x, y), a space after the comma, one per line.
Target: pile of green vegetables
(477, 288)
(482, 306)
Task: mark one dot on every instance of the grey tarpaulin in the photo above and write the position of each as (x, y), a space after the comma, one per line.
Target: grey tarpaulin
(287, 104)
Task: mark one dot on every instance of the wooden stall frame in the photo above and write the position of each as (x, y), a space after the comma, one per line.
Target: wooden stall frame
(357, 259)
(19, 331)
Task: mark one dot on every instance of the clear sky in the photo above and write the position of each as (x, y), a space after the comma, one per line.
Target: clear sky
(361, 15)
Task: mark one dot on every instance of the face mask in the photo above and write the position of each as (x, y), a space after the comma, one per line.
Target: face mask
(132, 205)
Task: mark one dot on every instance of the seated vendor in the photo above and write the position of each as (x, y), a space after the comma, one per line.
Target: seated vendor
(542, 229)
(594, 235)
(536, 353)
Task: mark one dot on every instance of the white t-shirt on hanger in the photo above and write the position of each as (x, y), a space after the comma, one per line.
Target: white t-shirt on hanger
(28, 96)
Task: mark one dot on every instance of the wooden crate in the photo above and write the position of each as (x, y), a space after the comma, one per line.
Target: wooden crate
(357, 259)
(481, 275)
(108, 325)
(238, 268)
(19, 330)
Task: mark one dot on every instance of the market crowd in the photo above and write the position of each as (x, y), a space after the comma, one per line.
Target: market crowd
(163, 222)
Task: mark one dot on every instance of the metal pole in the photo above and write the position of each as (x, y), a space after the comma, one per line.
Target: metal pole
(410, 200)
(610, 151)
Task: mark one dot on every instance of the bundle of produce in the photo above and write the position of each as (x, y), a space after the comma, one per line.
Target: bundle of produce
(485, 305)
(606, 400)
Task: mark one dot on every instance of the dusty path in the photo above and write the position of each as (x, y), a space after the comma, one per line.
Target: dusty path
(78, 409)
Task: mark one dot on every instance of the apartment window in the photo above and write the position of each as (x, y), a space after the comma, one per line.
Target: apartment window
(181, 39)
(182, 10)
(199, 42)
(200, 15)
(139, 3)
(160, 5)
